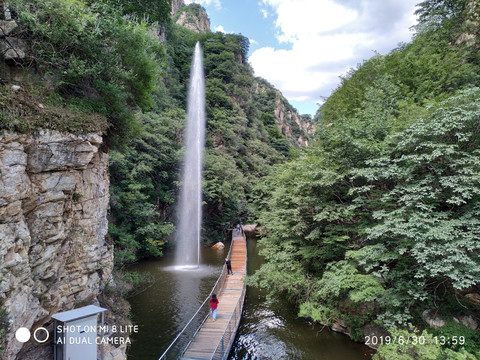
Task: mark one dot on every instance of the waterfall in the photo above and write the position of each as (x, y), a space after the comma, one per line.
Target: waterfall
(189, 213)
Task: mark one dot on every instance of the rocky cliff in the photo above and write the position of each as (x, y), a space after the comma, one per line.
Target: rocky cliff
(53, 222)
(177, 5)
(12, 46)
(298, 129)
(469, 33)
(295, 127)
(192, 17)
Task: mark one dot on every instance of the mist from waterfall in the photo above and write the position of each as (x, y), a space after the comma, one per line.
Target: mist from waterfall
(189, 212)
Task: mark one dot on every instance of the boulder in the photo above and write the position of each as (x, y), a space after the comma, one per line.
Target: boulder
(339, 325)
(474, 298)
(13, 48)
(432, 319)
(218, 245)
(468, 321)
(250, 228)
(374, 331)
(7, 27)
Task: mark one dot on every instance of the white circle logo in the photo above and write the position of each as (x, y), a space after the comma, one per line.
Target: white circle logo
(22, 334)
(41, 340)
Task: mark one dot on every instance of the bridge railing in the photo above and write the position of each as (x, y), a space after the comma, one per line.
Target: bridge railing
(225, 343)
(172, 351)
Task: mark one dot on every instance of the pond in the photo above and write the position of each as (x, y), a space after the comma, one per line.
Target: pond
(268, 331)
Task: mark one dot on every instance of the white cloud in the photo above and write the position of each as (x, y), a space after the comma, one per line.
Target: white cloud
(298, 18)
(326, 38)
(219, 28)
(217, 3)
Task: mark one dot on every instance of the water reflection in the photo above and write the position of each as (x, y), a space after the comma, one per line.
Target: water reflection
(199, 271)
(268, 331)
(165, 308)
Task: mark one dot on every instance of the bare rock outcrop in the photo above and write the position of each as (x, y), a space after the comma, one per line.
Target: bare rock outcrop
(12, 45)
(193, 17)
(432, 319)
(177, 5)
(286, 116)
(53, 222)
(470, 33)
(298, 129)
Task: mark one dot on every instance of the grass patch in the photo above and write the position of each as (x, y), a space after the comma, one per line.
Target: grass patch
(32, 107)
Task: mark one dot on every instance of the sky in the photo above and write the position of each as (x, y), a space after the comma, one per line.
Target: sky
(302, 47)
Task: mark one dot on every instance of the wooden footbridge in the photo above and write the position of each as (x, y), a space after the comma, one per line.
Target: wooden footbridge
(213, 339)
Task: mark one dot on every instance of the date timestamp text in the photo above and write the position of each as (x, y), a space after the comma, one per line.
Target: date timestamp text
(413, 340)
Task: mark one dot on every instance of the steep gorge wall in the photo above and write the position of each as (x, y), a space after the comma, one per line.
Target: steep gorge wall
(288, 118)
(177, 5)
(298, 129)
(192, 17)
(53, 221)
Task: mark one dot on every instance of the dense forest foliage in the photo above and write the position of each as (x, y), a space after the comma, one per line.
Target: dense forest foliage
(379, 220)
(243, 140)
(124, 67)
(376, 222)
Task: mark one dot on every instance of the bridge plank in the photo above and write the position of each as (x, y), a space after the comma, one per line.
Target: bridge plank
(208, 337)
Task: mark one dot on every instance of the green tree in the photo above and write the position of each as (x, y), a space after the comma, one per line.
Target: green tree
(428, 213)
(105, 63)
(412, 345)
(382, 210)
(438, 11)
(143, 189)
(150, 10)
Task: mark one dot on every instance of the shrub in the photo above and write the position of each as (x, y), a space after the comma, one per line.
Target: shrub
(4, 326)
(110, 62)
(453, 329)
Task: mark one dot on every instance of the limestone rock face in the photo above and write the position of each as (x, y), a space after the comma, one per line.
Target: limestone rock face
(432, 319)
(298, 129)
(471, 25)
(193, 17)
(53, 222)
(177, 5)
(286, 117)
(12, 47)
(339, 325)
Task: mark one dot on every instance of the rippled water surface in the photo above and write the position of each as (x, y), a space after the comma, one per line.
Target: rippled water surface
(268, 331)
(165, 308)
(272, 331)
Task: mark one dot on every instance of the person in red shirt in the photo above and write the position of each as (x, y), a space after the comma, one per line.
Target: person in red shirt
(213, 306)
